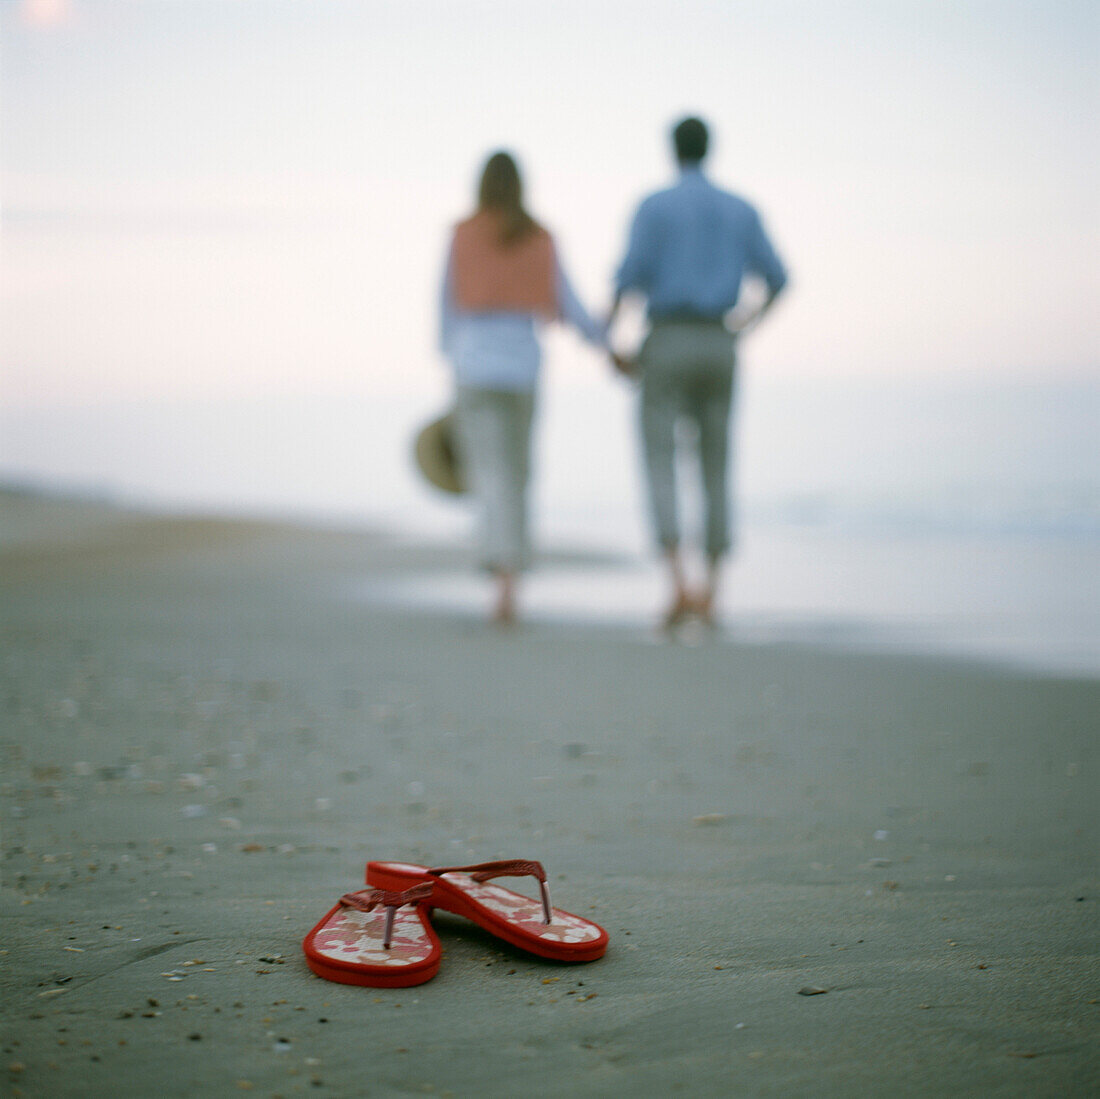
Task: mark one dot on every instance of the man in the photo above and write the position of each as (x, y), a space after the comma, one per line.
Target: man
(689, 247)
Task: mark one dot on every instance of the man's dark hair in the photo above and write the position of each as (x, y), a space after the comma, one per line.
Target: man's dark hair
(690, 138)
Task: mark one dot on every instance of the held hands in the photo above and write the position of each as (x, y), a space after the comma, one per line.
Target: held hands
(626, 366)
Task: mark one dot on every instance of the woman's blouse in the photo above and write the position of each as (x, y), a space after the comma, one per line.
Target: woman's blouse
(499, 348)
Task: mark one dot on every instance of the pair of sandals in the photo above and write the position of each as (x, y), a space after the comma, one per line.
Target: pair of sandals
(383, 937)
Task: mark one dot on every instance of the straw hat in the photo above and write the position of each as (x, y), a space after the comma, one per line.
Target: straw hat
(437, 457)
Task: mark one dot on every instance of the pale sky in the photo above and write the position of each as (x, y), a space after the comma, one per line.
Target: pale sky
(219, 197)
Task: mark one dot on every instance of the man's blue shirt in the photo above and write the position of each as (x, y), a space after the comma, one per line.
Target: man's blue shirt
(690, 246)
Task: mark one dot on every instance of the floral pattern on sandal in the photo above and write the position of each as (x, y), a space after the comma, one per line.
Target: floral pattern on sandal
(564, 927)
(533, 925)
(374, 937)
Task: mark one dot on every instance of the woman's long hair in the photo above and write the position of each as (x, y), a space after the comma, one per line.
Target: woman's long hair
(501, 191)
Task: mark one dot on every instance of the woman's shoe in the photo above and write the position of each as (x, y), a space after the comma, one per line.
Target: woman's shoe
(534, 926)
(376, 937)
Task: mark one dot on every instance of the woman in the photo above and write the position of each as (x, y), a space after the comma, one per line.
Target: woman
(502, 278)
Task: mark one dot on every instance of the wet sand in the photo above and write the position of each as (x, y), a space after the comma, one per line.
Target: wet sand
(204, 740)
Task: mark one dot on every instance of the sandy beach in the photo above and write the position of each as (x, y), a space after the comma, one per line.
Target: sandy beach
(204, 740)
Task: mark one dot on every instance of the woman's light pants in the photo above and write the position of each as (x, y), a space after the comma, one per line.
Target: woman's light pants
(494, 437)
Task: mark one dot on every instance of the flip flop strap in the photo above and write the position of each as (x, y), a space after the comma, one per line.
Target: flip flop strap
(507, 868)
(366, 900)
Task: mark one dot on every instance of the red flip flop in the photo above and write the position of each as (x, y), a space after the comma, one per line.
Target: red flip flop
(531, 925)
(376, 937)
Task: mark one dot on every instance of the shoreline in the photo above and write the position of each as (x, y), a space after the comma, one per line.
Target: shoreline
(574, 585)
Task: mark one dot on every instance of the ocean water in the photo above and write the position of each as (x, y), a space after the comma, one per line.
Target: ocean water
(951, 516)
(1029, 603)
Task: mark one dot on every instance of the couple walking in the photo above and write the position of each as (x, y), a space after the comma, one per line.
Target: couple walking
(689, 247)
